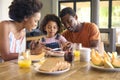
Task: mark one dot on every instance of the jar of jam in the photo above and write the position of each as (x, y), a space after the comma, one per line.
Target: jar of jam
(69, 56)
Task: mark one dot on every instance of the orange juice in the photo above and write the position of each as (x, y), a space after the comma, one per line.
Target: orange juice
(76, 51)
(24, 63)
(24, 60)
(76, 55)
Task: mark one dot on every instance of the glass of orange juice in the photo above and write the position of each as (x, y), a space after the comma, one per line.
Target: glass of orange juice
(24, 60)
(76, 51)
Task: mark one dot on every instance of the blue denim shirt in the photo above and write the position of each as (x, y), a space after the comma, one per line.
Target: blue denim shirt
(53, 44)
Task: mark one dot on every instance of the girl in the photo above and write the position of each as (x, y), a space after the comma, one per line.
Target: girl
(51, 27)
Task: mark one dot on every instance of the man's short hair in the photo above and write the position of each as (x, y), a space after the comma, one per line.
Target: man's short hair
(67, 10)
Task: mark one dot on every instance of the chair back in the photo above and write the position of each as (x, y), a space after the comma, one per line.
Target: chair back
(110, 44)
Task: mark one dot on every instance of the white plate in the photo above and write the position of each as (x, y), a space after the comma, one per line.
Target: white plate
(56, 72)
(56, 49)
(105, 69)
(57, 53)
(38, 60)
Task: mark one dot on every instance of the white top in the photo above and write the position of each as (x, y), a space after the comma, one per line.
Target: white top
(17, 45)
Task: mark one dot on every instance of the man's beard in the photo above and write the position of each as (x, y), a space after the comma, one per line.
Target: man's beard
(70, 29)
(73, 29)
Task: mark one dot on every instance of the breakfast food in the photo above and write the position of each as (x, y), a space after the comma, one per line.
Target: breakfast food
(37, 57)
(96, 58)
(107, 64)
(115, 60)
(54, 64)
(108, 60)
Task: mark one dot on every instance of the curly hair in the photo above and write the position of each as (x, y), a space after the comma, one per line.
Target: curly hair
(19, 9)
(67, 10)
(46, 19)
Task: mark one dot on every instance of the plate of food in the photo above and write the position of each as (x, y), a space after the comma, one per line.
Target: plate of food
(37, 58)
(56, 53)
(104, 68)
(52, 66)
(106, 61)
(55, 72)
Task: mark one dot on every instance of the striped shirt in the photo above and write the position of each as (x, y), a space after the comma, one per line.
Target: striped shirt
(17, 45)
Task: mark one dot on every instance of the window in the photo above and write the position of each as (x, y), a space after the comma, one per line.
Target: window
(109, 12)
(82, 8)
(103, 18)
(68, 4)
(115, 14)
(83, 11)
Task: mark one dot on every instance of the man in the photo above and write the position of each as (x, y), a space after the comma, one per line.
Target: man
(86, 33)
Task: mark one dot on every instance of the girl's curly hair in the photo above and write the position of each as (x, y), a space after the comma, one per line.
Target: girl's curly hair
(46, 19)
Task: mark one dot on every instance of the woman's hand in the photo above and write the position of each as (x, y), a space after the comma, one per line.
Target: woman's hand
(36, 47)
(34, 44)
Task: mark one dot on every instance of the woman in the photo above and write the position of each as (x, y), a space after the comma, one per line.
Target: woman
(25, 14)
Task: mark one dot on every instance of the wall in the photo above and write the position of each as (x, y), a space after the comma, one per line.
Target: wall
(4, 4)
(49, 6)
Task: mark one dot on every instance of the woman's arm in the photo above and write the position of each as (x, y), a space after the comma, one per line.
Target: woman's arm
(4, 42)
(36, 47)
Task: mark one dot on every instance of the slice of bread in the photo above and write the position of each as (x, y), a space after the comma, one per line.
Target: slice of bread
(54, 64)
(62, 65)
(37, 57)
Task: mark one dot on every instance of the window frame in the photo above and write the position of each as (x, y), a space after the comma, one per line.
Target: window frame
(74, 7)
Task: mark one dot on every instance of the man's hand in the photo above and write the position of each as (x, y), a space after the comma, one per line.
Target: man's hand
(67, 46)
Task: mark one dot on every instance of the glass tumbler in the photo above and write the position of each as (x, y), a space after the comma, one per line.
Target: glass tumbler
(24, 60)
(76, 51)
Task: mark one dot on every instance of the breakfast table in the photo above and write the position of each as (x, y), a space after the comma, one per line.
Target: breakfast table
(79, 71)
